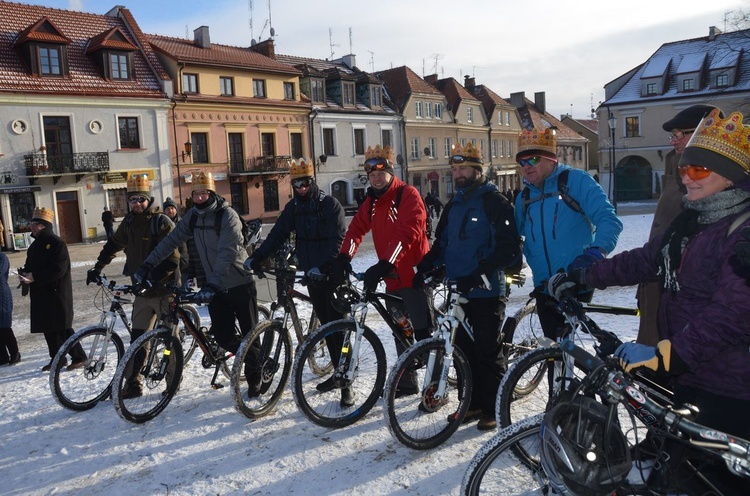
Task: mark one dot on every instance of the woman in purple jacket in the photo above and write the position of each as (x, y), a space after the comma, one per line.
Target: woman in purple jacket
(704, 313)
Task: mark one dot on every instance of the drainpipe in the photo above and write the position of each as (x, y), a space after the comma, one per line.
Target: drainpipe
(405, 170)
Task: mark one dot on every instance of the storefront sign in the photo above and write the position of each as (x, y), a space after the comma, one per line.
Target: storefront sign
(19, 190)
(122, 176)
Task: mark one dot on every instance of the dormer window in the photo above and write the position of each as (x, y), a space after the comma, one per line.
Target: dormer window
(722, 80)
(50, 60)
(44, 49)
(347, 96)
(318, 90)
(688, 84)
(651, 89)
(376, 99)
(114, 53)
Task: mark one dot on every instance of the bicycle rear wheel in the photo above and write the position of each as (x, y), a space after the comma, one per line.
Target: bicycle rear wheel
(268, 353)
(319, 359)
(509, 463)
(187, 340)
(154, 361)
(81, 389)
(324, 407)
(422, 421)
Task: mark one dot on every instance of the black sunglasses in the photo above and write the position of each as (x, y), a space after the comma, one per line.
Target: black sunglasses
(376, 164)
(460, 159)
(532, 161)
(302, 182)
(137, 199)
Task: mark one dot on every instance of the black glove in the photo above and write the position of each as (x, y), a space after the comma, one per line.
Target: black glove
(465, 284)
(418, 281)
(562, 282)
(339, 268)
(255, 266)
(141, 274)
(206, 294)
(585, 261)
(374, 274)
(92, 275)
(315, 274)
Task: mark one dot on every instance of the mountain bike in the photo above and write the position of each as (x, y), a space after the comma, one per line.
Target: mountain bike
(274, 339)
(443, 378)
(359, 367)
(158, 356)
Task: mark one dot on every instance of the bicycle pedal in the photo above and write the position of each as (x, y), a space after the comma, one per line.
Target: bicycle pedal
(217, 386)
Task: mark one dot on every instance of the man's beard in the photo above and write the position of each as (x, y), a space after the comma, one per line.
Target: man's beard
(464, 182)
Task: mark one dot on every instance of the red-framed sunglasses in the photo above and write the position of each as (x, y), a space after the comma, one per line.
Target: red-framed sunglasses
(694, 172)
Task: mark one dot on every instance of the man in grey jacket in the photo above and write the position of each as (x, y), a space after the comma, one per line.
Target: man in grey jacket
(229, 288)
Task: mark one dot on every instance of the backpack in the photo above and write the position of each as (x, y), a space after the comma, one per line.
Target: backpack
(397, 202)
(250, 230)
(562, 192)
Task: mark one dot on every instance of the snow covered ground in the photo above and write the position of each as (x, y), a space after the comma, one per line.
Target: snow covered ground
(201, 445)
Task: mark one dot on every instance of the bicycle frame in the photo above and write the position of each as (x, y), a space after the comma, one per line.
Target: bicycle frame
(109, 319)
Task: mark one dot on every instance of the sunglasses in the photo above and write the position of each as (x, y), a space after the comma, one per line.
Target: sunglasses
(137, 199)
(460, 159)
(678, 135)
(376, 164)
(532, 161)
(694, 172)
(301, 183)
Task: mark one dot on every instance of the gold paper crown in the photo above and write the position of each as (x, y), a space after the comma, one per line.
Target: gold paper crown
(537, 140)
(378, 152)
(727, 137)
(469, 151)
(301, 169)
(43, 214)
(203, 180)
(138, 184)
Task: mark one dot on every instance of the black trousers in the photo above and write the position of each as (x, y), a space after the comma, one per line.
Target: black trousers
(239, 302)
(8, 344)
(55, 340)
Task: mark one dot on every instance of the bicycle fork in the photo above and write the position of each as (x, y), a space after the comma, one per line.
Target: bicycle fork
(348, 365)
(436, 387)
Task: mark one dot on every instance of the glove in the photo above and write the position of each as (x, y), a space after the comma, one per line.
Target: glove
(418, 281)
(339, 268)
(374, 274)
(255, 266)
(315, 274)
(635, 355)
(92, 275)
(206, 294)
(141, 274)
(562, 282)
(585, 261)
(465, 284)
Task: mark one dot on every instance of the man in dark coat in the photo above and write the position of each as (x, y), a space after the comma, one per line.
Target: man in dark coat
(47, 274)
(108, 219)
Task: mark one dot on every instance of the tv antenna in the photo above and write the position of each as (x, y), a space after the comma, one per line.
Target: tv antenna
(474, 69)
(330, 41)
(372, 61)
(436, 56)
(351, 50)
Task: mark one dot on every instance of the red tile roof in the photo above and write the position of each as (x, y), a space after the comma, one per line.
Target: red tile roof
(454, 92)
(84, 75)
(401, 82)
(489, 98)
(532, 117)
(114, 39)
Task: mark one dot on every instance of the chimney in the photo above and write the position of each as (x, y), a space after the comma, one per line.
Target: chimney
(540, 100)
(201, 37)
(348, 60)
(712, 32)
(518, 99)
(265, 48)
(431, 79)
(469, 82)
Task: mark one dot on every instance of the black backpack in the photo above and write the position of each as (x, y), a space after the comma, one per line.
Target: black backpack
(250, 230)
(562, 192)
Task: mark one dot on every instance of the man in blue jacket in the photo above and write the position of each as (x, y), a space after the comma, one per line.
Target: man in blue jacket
(565, 218)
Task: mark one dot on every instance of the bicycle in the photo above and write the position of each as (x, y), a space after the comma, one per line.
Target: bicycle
(445, 378)
(524, 456)
(274, 339)
(160, 353)
(360, 366)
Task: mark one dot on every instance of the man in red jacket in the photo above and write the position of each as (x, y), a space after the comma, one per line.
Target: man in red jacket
(395, 213)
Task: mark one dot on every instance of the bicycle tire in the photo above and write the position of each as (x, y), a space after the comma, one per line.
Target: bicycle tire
(324, 408)
(523, 327)
(276, 352)
(524, 390)
(509, 463)
(225, 365)
(418, 421)
(187, 340)
(161, 374)
(81, 389)
(263, 313)
(319, 360)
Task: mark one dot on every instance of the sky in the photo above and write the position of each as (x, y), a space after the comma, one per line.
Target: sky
(568, 49)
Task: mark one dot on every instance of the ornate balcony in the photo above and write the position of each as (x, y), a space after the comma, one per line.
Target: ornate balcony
(45, 165)
(268, 164)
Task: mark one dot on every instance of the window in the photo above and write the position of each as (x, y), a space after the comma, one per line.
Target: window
(416, 181)
(418, 109)
(415, 148)
(129, 136)
(226, 85)
(510, 148)
(288, 91)
(632, 127)
(117, 199)
(507, 118)
(688, 84)
(469, 114)
(386, 136)
(270, 195)
(494, 148)
(651, 88)
(268, 144)
(50, 63)
(200, 147)
(236, 155)
(428, 110)
(376, 96)
(329, 141)
(500, 117)
(347, 96)
(259, 88)
(463, 142)
(318, 90)
(482, 148)
(118, 66)
(359, 141)
(438, 111)
(722, 80)
(58, 139)
(190, 83)
(502, 148)
(295, 144)
(431, 144)
(447, 147)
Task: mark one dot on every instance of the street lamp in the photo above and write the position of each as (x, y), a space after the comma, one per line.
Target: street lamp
(612, 121)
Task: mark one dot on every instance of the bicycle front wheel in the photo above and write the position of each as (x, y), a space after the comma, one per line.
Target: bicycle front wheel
(81, 389)
(331, 400)
(319, 359)
(509, 463)
(148, 376)
(261, 369)
(422, 420)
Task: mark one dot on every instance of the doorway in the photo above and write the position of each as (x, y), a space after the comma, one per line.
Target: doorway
(69, 217)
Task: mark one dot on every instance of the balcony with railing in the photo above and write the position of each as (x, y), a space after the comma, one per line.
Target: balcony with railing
(266, 164)
(46, 165)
